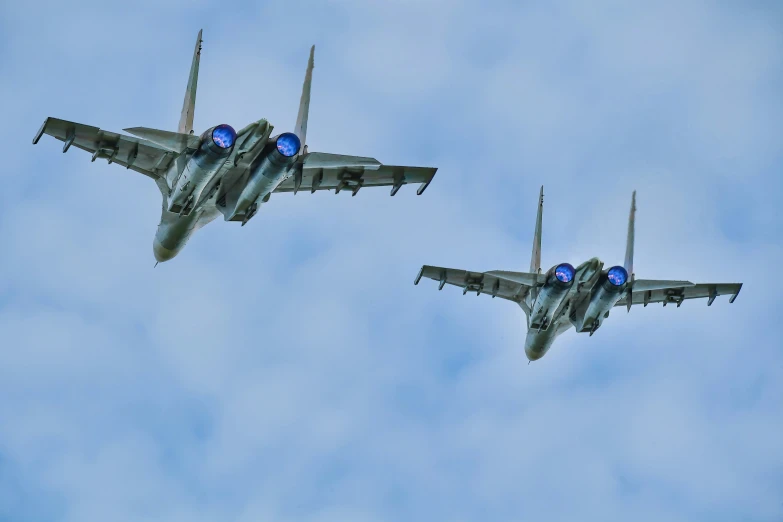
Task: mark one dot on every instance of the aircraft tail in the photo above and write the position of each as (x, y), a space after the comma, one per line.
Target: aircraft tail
(304, 102)
(535, 258)
(189, 104)
(629, 242)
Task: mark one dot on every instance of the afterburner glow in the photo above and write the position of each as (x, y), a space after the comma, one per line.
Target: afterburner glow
(617, 275)
(224, 136)
(288, 144)
(564, 273)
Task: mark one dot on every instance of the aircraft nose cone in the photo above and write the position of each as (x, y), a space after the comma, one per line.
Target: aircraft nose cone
(162, 253)
(535, 346)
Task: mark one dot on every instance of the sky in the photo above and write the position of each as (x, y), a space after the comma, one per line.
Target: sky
(289, 370)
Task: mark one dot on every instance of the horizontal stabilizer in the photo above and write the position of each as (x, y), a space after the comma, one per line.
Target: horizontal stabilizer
(172, 141)
(644, 285)
(324, 160)
(523, 278)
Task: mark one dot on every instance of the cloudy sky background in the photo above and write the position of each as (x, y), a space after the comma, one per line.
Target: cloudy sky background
(290, 371)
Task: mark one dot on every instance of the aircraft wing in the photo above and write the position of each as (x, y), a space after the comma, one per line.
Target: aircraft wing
(512, 286)
(322, 171)
(132, 153)
(678, 294)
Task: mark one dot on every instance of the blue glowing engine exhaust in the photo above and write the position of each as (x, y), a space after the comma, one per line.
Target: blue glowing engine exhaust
(564, 273)
(617, 276)
(288, 144)
(559, 280)
(216, 144)
(607, 292)
(266, 173)
(224, 136)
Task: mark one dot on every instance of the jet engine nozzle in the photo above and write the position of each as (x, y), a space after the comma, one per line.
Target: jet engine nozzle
(564, 273)
(268, 171)
(224, 136)
(617, 276)
(215, 147)
(558, 282)
(218, 140)
(606, 293)
(288, 144)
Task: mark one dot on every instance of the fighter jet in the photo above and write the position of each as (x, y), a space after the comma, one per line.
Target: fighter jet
(221, 171)
(581, 297)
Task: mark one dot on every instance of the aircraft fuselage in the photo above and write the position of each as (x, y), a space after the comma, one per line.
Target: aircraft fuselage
(200, 184)
(582, 306)
(565, 297)
(224, 172)
(173, 234)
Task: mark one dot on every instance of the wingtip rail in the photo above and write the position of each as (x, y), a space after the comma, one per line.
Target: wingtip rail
(418, 277)
(731, 300)
(40, 132)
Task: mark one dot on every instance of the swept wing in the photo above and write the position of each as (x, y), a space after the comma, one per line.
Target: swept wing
(323, 171)
(678, 294)
(512, 286)
(136, 154)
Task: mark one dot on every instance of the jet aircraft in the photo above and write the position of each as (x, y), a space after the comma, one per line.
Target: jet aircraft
(221, 171)
(581, 297)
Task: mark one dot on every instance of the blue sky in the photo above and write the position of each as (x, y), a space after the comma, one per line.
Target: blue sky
(290, 371)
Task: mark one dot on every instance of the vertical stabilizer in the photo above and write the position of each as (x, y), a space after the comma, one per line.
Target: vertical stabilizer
(535, 258)
(189, 105)
(304, 102)
(629, 242)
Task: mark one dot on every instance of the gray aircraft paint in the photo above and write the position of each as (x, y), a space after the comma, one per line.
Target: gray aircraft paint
(226, 172)
(553, 306)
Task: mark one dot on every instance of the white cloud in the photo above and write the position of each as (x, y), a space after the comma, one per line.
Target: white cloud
(290, 370)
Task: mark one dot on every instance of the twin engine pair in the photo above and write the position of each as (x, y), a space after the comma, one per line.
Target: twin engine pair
(216, 145)
(606, 291)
